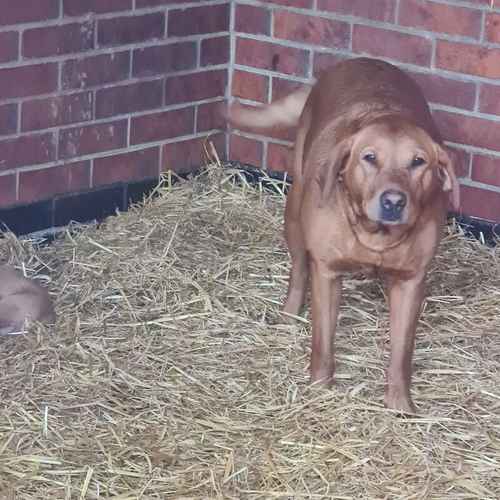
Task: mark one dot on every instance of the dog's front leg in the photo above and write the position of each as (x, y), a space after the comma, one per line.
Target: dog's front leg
(326, 292)
(405, 301)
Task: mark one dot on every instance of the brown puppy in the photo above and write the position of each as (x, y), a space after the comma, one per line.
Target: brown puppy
(21, 299)
(370, 191)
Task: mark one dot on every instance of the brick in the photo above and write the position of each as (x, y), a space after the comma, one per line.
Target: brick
(250, 85)
(245, 150)
(381, 10)
(127, 167)
(489, 99)
(486, 169)
(252, 19)
(209, 117)
(129, 98)
(283, 87)
(8, 118)
(164, 125)
(27, 150)
(7, 189)
(467, 58)
(198, 20)
(398, 46)
(480, 203)
(79, 141)
(42, 184)
(28, 80)
(301, 4)
(79, 8)
(279, 158)
(440, 18)
(8, 46)
(493, 27)
(271, 56)
(214, 51)
(130, 29)
(39, 114)
(155, 3)
(322, 62)
(195, 86)
(58, 40)
(470, 130)
(311, 29)
(28, 11)
(164, 59)
(187, 155)
(95, 70)
(441, 90)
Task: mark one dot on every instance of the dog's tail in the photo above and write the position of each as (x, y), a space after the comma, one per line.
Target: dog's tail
(282, 113)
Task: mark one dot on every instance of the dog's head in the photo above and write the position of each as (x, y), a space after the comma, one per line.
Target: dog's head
(391, 170)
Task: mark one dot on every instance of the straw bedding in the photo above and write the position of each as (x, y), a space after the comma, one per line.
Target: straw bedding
(171, 374)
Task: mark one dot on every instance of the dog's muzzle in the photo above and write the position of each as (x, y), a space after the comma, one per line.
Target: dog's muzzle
(392, 204)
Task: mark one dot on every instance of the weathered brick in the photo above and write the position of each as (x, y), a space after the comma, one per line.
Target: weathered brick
(283, 87)
(54, 111)
(195, 86)
(57, 40)
(164, 125)
(489, 99)
(467, 58)
(7, 189)
(79, 141)
(27, 150)
(79, 8)
(311, 29)
(28, 80)
(209, 117)
(271, 56)
(187, 155)
(95, 70)
(392, 44)
(9, 43)
(442, 90)
(245, 150)
(28, 11)
(128, 98)
(35, 185)
(252, 19)
(493, 27)
(164, 58)
(480, 203)
(381, 10)
(464, 129)
(214, 51)
(279, 158)
(8, 118)
(130, 29)
(301, 4)
(250, 86)
(127, 167)
(486, 169)
(323, 61)
(440, 18)
(155, 3)
(198, 20)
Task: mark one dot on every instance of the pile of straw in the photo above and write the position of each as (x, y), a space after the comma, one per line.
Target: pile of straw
(171, 374)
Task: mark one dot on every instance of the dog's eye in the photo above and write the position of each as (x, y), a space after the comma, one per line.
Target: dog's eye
(370, 158)
(417, 161)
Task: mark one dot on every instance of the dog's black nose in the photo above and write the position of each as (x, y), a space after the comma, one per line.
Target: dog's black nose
(392, 203)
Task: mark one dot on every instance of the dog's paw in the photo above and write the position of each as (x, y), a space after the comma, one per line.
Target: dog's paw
(400, 402)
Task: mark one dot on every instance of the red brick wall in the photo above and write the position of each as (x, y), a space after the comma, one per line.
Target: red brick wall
(94, 92)
(452, 48)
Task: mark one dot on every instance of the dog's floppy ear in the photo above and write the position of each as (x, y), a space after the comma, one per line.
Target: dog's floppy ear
(446, 173)
(331, 168)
